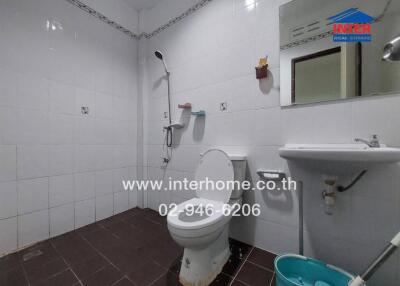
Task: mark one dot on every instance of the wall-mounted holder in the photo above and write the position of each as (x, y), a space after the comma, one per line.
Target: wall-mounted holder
(199, 113)
(175, 126)
(262, 69)
(187, 105)
(262, 72)
(271, 175)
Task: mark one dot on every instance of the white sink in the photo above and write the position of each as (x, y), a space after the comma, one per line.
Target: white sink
(335, 158)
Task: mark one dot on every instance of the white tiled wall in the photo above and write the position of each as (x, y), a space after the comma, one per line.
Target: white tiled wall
(212, 55)
(59, 169)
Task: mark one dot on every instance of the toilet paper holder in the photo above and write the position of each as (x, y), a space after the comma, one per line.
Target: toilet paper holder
(271, 175)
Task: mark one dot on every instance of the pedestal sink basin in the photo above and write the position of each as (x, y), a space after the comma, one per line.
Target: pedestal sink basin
(338, 158)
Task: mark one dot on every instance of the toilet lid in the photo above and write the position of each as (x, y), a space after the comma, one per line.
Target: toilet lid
(217, 167)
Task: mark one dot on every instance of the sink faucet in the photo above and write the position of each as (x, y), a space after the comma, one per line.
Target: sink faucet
(373, 143)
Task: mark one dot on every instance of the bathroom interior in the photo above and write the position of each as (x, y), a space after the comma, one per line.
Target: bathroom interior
(97, 92)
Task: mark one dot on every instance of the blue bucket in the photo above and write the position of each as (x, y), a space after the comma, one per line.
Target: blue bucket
(296, 270)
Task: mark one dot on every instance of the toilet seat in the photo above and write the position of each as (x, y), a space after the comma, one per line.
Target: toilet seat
(217, 218)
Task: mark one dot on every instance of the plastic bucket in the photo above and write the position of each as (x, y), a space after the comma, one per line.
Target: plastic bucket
(296, 270)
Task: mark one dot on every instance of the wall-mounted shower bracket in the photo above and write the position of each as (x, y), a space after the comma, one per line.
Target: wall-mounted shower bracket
(175, 126)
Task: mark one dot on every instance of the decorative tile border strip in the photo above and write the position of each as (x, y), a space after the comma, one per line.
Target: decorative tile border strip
(127, 32)
(307, 40)
(175, 20)
(103, 18)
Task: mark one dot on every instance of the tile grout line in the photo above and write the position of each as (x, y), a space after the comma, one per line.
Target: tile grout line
(65, 261)
(241, 266)
(260, 266)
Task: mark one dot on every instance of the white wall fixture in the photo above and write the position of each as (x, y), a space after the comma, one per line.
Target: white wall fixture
(335, 159)
(331, 160)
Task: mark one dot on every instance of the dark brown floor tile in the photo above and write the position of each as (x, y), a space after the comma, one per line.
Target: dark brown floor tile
(155, 217)
(273, 282)
(176, 265)
(138, 245)
(107, 276)
(222, 280)
(109, 221)
(239, 249)
(232, 266)
(66, 278)
(9, 262)
(238, 283)
(78, 254)
(89, 267)
(262, 258)
(168, 279)
(13, 277)
(89, 229)
(146, 274)
(124, 282)
(39, 272)
(103, 240)
(254, 275)
(67, 240)
(38, 254)
(136, 238)
(167, 258)
(121, 227)
(129, 259)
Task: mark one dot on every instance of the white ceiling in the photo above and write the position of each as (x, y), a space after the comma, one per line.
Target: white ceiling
(142, 4)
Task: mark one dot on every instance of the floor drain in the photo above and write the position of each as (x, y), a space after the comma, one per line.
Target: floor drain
(32, 254)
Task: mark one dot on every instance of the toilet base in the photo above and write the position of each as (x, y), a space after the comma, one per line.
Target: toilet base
(201, 266)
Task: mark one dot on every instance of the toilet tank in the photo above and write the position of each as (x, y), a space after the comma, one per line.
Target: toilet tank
(239, 168)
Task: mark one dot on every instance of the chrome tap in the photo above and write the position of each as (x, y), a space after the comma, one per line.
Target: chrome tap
(373, 143)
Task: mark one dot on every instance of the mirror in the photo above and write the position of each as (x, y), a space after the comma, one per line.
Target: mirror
(336, 50)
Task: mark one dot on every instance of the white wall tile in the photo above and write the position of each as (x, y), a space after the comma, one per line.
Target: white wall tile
(8, 88)
(62, 129)
(104, 182)
(121, 202)
(8, 235)
(62, 98)
(85, 212)
(61, 190)
(61, 159)
(8, 200)
(133, 199)
(8, 125)
(103, 131)
(33, 227)
(103, 105)
(33, 161)
(62, 219)
(85, 158)
(46, 143)
(85, 132)
(85, 98)
(104, 206)
(33, 195)
(32, 92)
(85, 186)
(124, 156)
(8, 158)
(33, 127)
(120, 175)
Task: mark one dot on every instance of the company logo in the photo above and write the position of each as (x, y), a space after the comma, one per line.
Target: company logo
(351, 25)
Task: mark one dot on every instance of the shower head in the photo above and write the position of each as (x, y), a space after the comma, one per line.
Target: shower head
(160, 56)
(391, 51)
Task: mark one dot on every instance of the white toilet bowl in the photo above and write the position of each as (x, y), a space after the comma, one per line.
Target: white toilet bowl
(204, 235)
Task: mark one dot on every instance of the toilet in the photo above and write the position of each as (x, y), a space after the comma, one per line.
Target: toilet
(204, 235)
